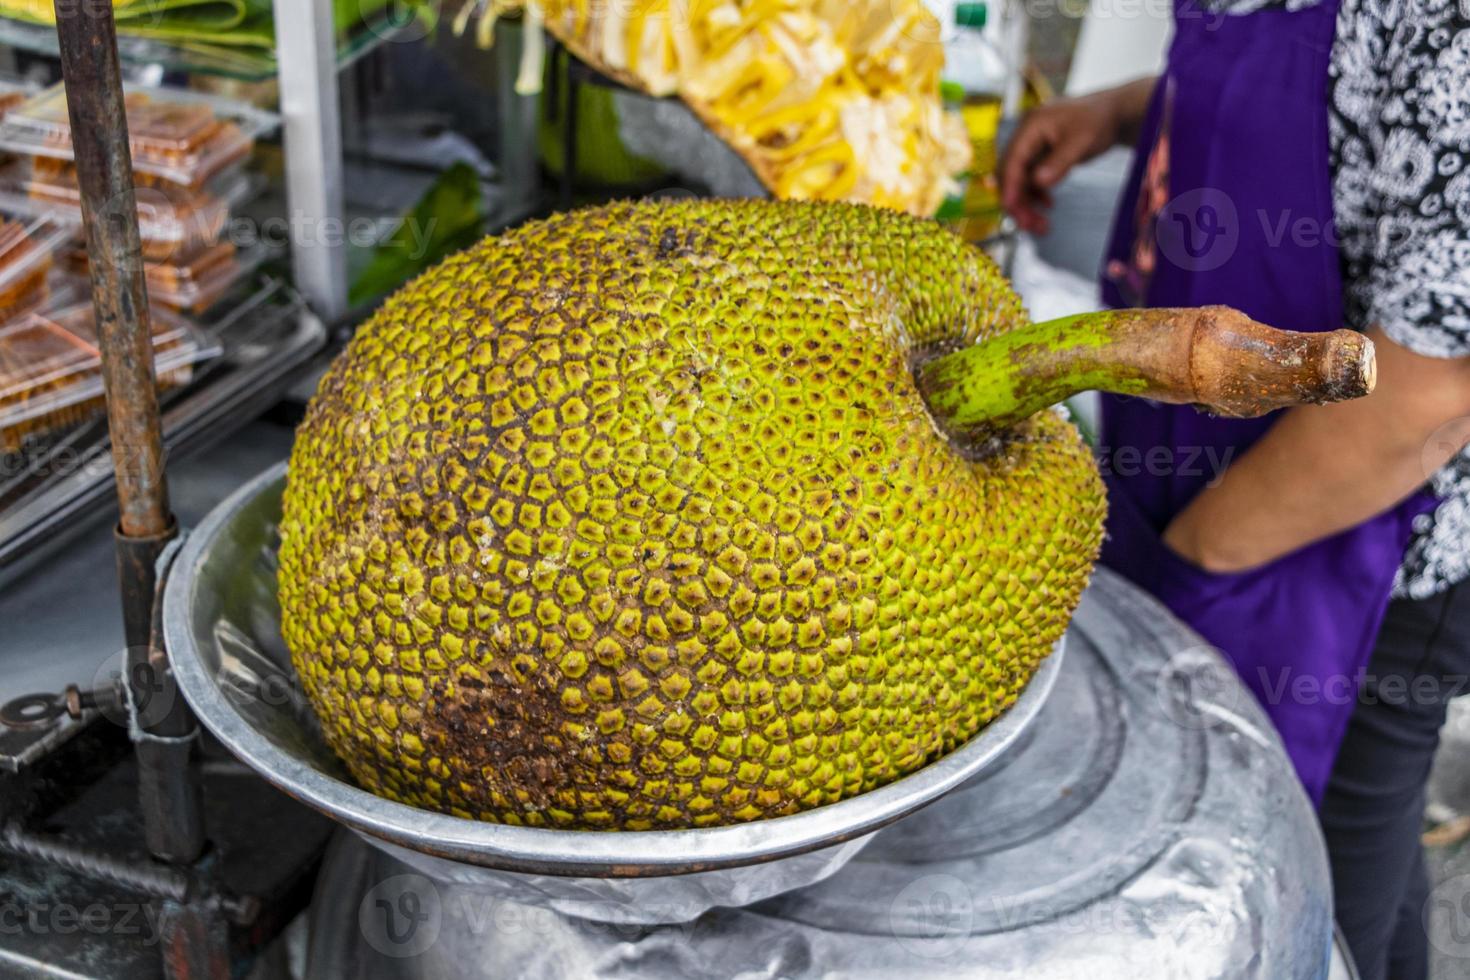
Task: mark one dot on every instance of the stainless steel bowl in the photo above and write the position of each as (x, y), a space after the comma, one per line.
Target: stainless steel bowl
(222, 626)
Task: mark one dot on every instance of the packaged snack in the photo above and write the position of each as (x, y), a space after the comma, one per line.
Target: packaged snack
(181, 138)
(199, 284)
(177, 224)
(51, 368)
(11, 98)
(193, 286)
(15, 92)
(27, 255)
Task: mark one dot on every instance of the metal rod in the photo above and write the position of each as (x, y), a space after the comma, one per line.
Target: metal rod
(311, 115)
(155, 880)
(569, 162)
(169, 785)
(89, 64)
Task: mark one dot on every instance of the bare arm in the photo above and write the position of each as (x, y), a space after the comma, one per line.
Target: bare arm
(1054, 138)
(1321, 470)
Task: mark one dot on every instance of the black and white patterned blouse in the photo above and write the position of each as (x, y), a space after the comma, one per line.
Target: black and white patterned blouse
(1400, 148)
(1400, 126)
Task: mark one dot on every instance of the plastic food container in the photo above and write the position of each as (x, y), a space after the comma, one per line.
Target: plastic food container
(193, 286)
(177, 224)
(51, 368)
(13, 94)
(199, 284)
(177, 137)
(27, 254)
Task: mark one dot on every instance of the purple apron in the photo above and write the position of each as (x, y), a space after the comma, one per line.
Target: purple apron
(1230, 202)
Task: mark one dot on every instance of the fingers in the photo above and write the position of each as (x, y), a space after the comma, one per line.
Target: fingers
(1029, 140)
(1069, 150)
(1049, 143)
(1020, 196)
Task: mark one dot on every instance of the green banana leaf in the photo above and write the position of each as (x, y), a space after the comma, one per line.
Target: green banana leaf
(449, 217)
(229, 23)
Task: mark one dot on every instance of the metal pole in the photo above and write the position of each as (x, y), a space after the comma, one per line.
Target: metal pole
(89, 63)
(169, 790)
(306, 55)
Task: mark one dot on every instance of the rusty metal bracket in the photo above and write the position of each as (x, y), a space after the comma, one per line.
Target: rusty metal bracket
(165, 741)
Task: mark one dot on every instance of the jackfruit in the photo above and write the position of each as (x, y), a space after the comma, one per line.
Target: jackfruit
(643, 516)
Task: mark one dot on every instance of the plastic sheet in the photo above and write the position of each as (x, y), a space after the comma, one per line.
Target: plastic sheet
(670, 900)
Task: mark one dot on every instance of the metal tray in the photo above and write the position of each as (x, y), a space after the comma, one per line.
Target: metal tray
(222, 628)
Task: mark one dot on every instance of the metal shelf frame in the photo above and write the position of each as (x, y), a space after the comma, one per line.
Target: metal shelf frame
(311, 122)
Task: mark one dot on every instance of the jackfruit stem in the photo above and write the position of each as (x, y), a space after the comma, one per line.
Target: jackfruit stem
(1213, 357)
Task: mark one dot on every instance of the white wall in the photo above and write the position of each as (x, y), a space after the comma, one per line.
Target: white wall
(1120, 40)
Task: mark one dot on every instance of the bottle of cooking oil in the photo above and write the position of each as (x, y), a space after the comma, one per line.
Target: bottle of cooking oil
(975, 81)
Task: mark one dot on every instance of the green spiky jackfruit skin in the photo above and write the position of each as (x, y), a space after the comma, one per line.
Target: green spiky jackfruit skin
(634, 519)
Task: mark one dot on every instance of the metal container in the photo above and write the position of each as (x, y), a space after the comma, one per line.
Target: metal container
(222, 627)
(668, 132)
(1140, 819)
(1449, 780)
(1148, 825)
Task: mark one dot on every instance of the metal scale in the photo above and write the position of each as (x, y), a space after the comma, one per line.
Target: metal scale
(1132, 816)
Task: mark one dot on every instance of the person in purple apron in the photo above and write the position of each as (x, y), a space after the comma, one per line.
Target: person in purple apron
(1300, 161)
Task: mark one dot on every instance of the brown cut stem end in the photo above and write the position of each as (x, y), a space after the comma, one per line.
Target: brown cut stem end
(1213, 357)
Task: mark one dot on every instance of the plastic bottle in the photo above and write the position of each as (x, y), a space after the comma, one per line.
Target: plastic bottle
(976, 79)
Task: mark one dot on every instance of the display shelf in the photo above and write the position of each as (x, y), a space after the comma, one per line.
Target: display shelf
(57, 485)
(243, 63)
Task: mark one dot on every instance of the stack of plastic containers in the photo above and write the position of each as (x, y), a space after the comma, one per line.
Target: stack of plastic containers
(189, 155)
(50, 368)
(28, 251)
(188, 158)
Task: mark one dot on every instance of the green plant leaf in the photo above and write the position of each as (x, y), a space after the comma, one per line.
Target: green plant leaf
(449, 217)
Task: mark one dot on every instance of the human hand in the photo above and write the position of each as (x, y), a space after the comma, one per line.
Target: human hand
(1056, 137)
